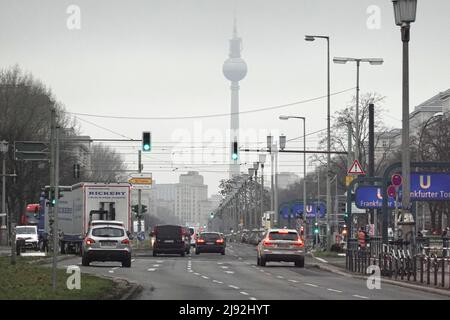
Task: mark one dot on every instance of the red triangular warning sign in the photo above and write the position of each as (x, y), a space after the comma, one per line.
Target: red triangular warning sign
(356, 168)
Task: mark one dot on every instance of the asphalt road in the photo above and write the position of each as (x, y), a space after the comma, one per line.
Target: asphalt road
(236, 276)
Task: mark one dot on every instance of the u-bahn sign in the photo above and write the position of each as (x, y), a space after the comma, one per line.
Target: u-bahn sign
(294, 210)
(424, 187)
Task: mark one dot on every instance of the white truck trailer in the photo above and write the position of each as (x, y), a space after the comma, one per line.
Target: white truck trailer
(90, 201)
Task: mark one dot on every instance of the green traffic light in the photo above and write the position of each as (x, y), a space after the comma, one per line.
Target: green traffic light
(316, 230)
(146, 147)
(234, 156)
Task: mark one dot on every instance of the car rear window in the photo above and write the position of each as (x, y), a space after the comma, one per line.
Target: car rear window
(168, 231)
(108, 232)
(25, 230)
(290, 236)
(210, 236)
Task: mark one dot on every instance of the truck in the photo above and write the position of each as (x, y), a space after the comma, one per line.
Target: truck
(85, 202)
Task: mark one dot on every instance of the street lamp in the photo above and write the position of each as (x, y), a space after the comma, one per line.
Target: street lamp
(304, 160)
(262, 160)
(372, 61)
(3, 150)
(312, 38)
(405, 14)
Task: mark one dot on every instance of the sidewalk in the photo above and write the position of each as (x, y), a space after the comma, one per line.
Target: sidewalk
(5, 251)
(337, 265)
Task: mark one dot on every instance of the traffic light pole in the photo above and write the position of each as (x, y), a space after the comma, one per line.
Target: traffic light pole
(55, 222)
(139, 193)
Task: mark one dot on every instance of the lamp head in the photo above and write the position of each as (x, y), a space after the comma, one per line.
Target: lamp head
(340, 60)
(310, 38)
(283, 117)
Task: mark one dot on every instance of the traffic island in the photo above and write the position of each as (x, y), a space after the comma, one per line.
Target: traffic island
(25, 281)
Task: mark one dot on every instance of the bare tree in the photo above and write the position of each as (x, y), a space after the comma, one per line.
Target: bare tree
(106, 165)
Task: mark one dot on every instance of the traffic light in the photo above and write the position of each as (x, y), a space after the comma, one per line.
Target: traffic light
(235, 151)
(316, 228)
(211, 215)
(345, 216)
(146, 141)
(76, 171)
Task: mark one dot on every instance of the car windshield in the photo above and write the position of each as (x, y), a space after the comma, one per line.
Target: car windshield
(108, 232)
(290, 236)
(25, 230)
(210, 236)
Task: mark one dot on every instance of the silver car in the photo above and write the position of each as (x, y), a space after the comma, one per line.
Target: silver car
(281, 245)
(106, 243)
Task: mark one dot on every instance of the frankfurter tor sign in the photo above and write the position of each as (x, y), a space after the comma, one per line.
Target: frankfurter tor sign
(424, 187)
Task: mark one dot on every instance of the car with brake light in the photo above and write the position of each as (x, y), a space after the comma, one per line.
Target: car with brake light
(210, 242)
(281, 245)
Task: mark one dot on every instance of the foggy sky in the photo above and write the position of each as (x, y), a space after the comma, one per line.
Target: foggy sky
(164, 58)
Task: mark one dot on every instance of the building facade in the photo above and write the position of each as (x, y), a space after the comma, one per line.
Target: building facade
(190, 192)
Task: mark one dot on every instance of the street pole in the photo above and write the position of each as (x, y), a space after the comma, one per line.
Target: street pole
(55, 223)
(4, 151)
(318, 206)
(262, 190)
(139, 192)
(372, 153)
(405, 120)
(275, 202)
(305, 229)
(357, 110)
(328, 148)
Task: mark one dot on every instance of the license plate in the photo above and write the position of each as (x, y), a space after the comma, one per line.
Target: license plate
(210, 243)
(282, 245)
(108, 244)
(168, 241)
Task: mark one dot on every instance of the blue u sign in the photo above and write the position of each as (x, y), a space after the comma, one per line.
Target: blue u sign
(424, 187)
(294, 210)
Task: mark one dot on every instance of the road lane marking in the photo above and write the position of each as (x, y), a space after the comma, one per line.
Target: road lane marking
(239, 258)
(115, 268)
(229, 272)
(190, 271)
(311, 285)
(151, 269)
(268, 273)
(132, 260)
(244, 293)
(322, 260)
(253, 298)
(220, 282)
(234, 287)
(156, 265)
(224, 267)
(219, 262)
(280, 277)
(294, 281)
(196, 273)
(205, 277)
(362, 297)
(159, 261)
(334, 290)
(111, 271)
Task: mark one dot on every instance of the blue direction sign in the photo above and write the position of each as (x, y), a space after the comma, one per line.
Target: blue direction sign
(295, 209)
(424, 187)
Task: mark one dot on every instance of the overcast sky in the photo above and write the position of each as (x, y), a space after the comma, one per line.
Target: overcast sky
(163, 58)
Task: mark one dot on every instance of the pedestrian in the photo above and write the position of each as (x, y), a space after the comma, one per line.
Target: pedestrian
(362, 239)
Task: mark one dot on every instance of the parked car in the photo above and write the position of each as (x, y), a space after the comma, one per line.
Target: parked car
(106, 243)
(169, 239)
(27, 237)
(281, 245)
(210, 242)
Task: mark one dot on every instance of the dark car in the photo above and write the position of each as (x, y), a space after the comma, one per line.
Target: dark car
(210, 242)
(169, 239)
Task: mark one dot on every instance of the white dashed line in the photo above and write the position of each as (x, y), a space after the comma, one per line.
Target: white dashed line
(115, 268)
(133, 260)
(253, 298)
(224, 267)
(196, 273)
(156, 265)
(229, 272)
(294, 281)
(334, 290)
(280, 277)
(219, 262)
(190, 271)
(234, 287)
(204, 277)
(220, 282)
(110, 271)
(244, 293)
(358, 296)
(311, 285)
(159, 261)
(151, 269)
(321, 260)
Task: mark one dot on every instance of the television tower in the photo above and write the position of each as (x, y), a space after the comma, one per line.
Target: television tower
(234, 69)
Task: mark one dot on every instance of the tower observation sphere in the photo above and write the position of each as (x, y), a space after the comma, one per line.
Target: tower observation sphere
(234, 69)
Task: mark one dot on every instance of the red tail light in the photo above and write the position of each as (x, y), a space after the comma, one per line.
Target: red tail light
(89, 241)
(200, 241)
(125, 241)
(267, 243)
(298, 243)
(219, 241)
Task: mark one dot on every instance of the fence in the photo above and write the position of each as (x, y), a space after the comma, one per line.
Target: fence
(420, 262)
